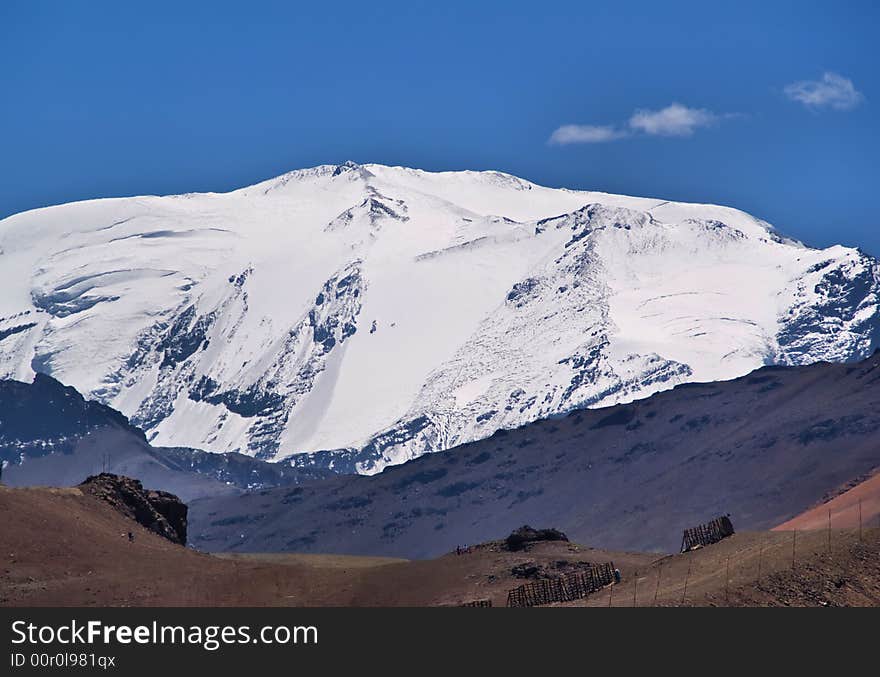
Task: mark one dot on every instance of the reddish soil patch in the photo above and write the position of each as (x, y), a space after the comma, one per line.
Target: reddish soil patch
(844, 509)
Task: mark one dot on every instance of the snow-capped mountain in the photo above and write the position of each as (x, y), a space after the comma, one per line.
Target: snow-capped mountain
(375, 313)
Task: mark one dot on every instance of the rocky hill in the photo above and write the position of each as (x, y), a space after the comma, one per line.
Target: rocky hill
(158, 511)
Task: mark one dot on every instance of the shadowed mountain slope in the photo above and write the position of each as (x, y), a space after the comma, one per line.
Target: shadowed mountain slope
(763, 447)
(51, 436)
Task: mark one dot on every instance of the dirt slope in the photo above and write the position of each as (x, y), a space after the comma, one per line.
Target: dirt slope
(860, 503)
(775, 568)
(61, 547)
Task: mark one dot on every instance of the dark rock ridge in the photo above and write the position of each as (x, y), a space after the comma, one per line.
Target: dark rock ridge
(17, 329)
(47, 415)
(239, 470)
(174, 347)
(523, 537)
(557, 569)
(158, 511)
(843, 300)
(51, 436)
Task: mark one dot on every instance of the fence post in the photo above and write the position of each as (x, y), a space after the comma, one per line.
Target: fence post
(727, 583)
(860, 520)
(760, 558)
(829, 532)
(657, 590)
(635, 586)
(686, 577)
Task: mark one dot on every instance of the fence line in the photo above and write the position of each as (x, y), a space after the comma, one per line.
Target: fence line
(565, 588)
(689, 577)
(478, 602)
(707, 534)
(695, 573)
(771, 554)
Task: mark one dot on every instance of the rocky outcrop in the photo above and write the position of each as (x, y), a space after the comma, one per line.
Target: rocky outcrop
(158, 511)
(533, 570)
(523, 537)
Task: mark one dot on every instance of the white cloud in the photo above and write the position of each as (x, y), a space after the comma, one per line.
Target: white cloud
(674, 120)
(832, 91)
(585, 134)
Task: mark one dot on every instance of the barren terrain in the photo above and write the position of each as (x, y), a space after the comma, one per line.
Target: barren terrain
(857, 504)
(61, 547)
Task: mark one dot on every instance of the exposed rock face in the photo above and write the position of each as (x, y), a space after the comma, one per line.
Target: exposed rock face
(534, 571)
(158, 511)
(526, 535)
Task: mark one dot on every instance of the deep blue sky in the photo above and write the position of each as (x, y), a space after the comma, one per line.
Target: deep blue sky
(122, 98)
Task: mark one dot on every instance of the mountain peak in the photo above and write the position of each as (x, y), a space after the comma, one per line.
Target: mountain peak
(346, 166)
(352, 169)
(388, 312)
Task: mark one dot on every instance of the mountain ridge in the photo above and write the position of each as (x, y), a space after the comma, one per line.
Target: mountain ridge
(362, 315)
(51, 436)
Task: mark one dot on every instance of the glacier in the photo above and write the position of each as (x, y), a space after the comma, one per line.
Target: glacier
(357, 316)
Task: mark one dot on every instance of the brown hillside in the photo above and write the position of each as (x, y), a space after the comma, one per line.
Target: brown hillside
(62, 547)
(858, 503)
